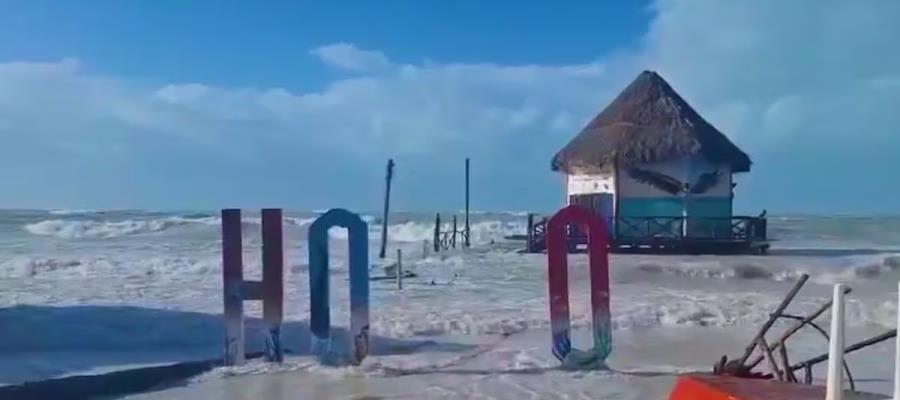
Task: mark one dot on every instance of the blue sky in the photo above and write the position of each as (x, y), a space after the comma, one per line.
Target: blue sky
(203, 104)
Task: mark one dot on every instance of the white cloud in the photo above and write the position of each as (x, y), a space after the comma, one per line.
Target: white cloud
(349, 57)
(770, 74)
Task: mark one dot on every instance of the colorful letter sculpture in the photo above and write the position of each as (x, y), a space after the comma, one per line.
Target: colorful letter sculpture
(557, 260)
(320, 318)
(236, 290)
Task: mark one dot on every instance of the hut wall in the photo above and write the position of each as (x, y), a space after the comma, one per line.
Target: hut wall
(641, 199)
(587, 184)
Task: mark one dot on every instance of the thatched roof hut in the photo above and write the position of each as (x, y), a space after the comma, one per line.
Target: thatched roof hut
(647, 122)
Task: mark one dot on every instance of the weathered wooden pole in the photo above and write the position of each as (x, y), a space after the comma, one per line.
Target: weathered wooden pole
(769, 357)
(453, 235)
(437, 233)
(387, 202)
(399, 270)
(772, 318)
(468, 242)
(529, 236)
(794, 329)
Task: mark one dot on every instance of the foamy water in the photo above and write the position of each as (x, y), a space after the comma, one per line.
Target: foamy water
(85, 291)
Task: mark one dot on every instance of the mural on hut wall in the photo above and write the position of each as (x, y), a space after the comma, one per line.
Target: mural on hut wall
(662, 189)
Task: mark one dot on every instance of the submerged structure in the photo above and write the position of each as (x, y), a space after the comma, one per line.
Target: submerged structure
(660, 175)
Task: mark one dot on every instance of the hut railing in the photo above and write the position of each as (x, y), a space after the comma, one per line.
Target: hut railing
(664, 228)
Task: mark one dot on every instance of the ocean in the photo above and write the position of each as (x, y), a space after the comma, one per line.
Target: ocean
(85, 291)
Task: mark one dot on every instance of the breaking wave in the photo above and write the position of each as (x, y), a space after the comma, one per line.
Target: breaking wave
(76, 229)
(80, 229)
(70, 212)
(772, 269)
(412, 231)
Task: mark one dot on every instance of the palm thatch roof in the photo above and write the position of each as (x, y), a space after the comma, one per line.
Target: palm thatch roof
(647, 122)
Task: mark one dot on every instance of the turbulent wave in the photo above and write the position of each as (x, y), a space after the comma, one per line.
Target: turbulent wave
(70, 212)
(482, 232)
(767, 268)
(78, 229)
(145, 267)
(75, 229)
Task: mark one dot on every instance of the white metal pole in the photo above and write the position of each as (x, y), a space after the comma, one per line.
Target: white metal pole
(897, 351)
(834, 386)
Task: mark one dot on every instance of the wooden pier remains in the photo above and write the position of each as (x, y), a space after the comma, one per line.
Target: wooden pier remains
(446, 238)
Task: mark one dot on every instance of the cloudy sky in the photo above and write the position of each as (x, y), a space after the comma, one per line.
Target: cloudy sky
(208, 104)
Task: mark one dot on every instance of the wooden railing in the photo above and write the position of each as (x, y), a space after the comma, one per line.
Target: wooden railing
(737, 229)
(450, 238)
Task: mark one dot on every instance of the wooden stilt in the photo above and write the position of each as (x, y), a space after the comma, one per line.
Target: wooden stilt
(468, 231)
(437, 233)
(453, 235)
(399, 270)
(387, 202)
(529, 236)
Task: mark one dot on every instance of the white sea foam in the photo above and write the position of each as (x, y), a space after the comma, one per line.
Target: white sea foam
(483, 232)
(74, 229)
(85, 303)
(71, 212)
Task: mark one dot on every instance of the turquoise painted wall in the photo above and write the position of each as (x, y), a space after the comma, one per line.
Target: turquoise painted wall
(709, 207)
(701, 208)
(650, 207)
(672, 207)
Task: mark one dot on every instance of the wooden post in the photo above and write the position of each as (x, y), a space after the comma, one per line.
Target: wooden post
(387, 202)
(273, 281)
(529, 236)
(424, 249)
(453, 235)
(773, 317)
(437, 233)
(233, 280)
(764, 347)
(788, 374)
(468, 242)
(794, 329)
(399, 270)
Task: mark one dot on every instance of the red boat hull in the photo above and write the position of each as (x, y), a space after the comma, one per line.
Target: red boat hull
(717, 387)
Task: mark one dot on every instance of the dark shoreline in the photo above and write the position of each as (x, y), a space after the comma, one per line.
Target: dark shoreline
(109, 385)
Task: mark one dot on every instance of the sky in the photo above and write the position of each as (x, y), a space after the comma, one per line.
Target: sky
(295, 104)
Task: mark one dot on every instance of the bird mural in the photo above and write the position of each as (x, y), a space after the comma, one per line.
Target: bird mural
(675, 186)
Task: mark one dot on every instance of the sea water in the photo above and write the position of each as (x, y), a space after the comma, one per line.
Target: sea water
(86, 292)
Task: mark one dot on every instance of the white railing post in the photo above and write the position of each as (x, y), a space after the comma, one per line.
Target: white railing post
(897, 351)
(834, 385)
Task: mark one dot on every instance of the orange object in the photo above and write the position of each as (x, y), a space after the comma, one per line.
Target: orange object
(718, 387)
